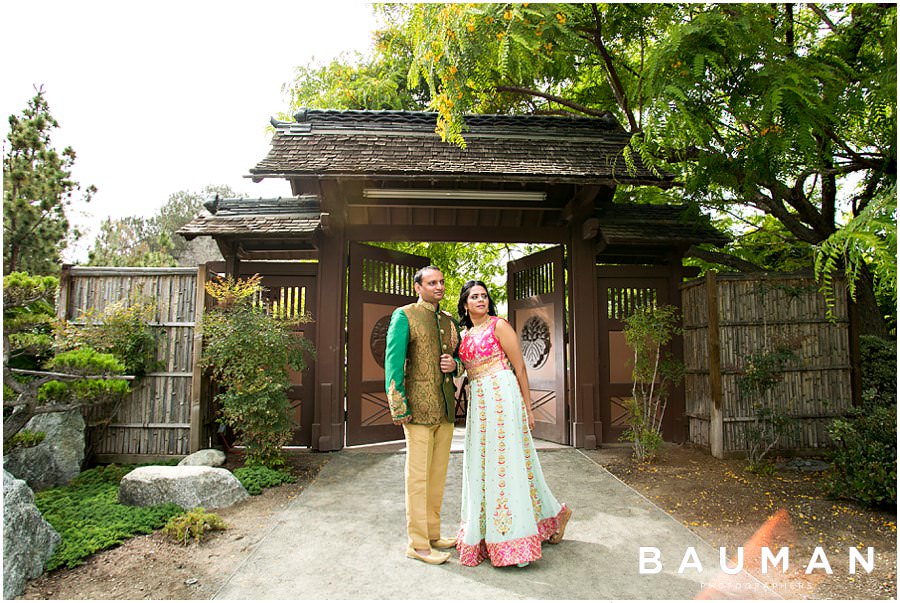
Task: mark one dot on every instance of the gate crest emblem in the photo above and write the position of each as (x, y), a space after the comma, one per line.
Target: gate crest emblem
(535, 342)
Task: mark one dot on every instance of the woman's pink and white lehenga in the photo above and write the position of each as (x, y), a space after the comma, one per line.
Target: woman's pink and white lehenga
(507, 508)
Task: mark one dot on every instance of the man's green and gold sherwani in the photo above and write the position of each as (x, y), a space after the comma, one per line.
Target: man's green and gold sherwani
(423, 396)
(417, 336)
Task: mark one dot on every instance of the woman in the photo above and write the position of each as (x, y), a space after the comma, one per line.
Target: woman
(507, 508)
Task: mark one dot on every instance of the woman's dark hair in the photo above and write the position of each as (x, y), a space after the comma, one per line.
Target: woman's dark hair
(464, 319)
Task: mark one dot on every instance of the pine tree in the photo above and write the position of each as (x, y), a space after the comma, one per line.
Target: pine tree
(37, 190)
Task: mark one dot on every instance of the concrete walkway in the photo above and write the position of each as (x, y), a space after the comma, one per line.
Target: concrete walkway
(344, 538)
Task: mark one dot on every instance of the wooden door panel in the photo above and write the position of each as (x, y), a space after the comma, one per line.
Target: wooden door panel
(380, 281)
(537, 313)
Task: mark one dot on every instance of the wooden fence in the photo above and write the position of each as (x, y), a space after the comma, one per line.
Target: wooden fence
(162, 414)
(730, 318)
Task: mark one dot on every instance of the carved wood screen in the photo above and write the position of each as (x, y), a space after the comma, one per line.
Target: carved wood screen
(536, 288)
(380, 281)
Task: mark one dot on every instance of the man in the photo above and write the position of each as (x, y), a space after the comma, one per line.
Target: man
(419, 364)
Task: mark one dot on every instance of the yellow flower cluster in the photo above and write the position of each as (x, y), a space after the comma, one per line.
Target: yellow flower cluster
(229, 290)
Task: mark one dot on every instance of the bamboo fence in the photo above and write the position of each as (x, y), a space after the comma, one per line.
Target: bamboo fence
(155, 421)
(728, 319)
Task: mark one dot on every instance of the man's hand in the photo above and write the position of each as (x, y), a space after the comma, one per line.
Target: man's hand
(405, 419)
(448, 364)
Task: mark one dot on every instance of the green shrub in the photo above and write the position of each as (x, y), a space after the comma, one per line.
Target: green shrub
(648, 330)
(865, 455)
(89, 518)
(878, 360)
(256, 477)
(193, 525)
(121, 329)
(249, 351)
(24, 439)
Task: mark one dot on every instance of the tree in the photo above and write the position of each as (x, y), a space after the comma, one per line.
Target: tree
(757, 108)
(37, 190)
(68, 380)
(139, 241)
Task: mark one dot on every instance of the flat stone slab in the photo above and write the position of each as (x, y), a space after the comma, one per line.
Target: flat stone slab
(187, 486)
(209, 457)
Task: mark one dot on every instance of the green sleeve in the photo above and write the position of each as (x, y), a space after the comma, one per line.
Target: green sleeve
(394, 364)
(459, 366)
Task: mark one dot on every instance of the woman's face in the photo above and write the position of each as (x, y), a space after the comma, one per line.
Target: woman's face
(477, 301)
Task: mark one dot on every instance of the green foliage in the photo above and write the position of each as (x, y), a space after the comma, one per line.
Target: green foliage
(89, 518)
(84, 362)
(771, 421)
(783, 110)
(869, 239)
(122, 329)
(878, 366)
(192, 525)
(865, 458)
(255, 478)
(29, 310)
(37, 191)
(141, 241)
(248, 351)
(25, 438)
(461, 263)
(648, 330)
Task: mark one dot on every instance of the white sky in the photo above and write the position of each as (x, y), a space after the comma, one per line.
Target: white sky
(165, 96)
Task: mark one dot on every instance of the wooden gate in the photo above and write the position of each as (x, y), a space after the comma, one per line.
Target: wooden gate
(622, 289)
(380, 281)
(536, 288)
(289, 292)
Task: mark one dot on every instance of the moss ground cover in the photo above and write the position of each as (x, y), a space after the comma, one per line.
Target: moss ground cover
(89, 518)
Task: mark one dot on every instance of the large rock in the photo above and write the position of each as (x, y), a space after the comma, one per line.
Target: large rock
(186, 486)
(207, 458)
(28, 540)
(57, 459)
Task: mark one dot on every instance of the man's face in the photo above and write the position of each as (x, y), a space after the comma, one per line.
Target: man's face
(431, 289)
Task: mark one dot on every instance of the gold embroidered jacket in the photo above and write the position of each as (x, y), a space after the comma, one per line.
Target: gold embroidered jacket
(417, 336)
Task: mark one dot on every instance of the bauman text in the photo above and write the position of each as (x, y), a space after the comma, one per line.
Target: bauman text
(650, 562)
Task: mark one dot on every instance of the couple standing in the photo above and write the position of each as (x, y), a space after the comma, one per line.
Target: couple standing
(507, 508)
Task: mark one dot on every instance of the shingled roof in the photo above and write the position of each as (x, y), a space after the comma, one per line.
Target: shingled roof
(627, 224)
(392, 144)
(291, 216)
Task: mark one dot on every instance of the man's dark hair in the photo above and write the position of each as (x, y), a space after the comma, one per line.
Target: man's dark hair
(418, 277)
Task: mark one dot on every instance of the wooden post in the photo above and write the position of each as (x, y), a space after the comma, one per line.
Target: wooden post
(855, 354)
(197, 407)
(584, 333)
(716, 424)
(62, 304)
(331, 282)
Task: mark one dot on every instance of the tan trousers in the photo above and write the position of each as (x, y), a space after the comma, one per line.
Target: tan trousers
(427, 456)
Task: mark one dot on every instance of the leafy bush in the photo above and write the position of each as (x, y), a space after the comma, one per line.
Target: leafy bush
(121, 329)
(878, 359)
(88, 516)
(648, 330)
(24, 439)
(249, 351)
(256, 477)
(192, 525)
(865, 457)
(771, 421)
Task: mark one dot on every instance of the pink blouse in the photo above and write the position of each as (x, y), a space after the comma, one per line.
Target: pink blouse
(480, 350)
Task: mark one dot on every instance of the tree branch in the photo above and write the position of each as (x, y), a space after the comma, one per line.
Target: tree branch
(556, 99)
(726, 259)
(611, 73)
(822, 15)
